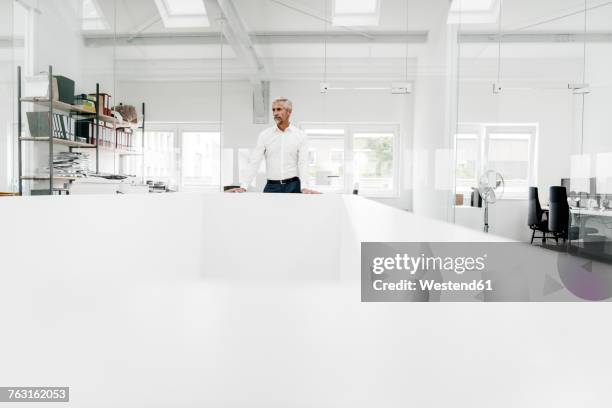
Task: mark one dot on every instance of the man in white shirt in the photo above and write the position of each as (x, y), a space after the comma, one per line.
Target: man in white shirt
(285, 148)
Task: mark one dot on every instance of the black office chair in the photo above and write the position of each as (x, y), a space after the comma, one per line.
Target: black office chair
(559, 214)
(536, 218)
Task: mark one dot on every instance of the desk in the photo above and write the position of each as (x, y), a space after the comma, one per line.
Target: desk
(581, 216)
(584, 211)
(591, 213)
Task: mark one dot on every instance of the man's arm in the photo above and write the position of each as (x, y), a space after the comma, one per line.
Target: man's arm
(303, 166)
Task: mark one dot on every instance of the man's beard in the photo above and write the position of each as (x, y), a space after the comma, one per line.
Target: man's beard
(277, 120)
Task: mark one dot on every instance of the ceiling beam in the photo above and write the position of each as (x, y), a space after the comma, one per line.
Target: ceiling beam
(237, 36)
(547, 38)
(277, 37)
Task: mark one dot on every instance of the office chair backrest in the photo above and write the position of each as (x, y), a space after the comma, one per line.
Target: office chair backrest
(558, 217)
(534, 216)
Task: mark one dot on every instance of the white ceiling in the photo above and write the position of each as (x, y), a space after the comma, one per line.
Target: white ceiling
(307, 15)
(299, 16)
(132, 18)
(279, 15)
(551, 16)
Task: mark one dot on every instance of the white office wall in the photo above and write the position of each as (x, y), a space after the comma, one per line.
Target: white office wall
(57, 39)
(507, 218)
(598, 120)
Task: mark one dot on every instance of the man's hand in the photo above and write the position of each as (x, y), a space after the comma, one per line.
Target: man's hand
(236, 190)
(309, 191)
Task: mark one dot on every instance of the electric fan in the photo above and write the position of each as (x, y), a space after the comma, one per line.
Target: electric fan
(491, 188)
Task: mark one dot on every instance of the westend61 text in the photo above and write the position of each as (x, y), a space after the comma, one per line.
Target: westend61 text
(431, 285)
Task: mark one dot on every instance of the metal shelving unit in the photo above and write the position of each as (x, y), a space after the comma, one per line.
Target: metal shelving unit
(71, 110)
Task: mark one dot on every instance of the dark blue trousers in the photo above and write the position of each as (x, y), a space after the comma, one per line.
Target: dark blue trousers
(292, 187)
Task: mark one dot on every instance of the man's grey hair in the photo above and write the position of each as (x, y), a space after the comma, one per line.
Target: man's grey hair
(286, 102)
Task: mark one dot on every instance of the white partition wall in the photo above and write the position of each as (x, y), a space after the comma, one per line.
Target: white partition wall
(260, 238)
(227, 300)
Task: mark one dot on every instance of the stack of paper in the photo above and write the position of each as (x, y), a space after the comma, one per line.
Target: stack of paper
(69, 164)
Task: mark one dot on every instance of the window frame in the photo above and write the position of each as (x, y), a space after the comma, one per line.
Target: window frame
(350, 129)
(476, 132)
(484, 131)
(179, 128)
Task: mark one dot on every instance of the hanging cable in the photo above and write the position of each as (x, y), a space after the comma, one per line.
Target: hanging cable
(325, 43)
(499, 41)
(407, 35)
(584, 49)
(221, 105)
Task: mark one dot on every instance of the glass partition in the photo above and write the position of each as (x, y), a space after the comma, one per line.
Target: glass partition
(66, 125)
(532, 102)
(350, 78)
(167, 61)
(11, 51)
(590, 185)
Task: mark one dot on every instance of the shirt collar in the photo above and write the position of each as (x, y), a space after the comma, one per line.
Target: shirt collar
(289, 128)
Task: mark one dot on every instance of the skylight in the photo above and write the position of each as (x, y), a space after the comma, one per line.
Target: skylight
(473, 12)
(92, 18)
(185, 7)
(182, 13)
(356, 12)
(472, 5)
(355, 6)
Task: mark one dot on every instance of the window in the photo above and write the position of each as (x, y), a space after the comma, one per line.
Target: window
(326, 175)
(182, 13)
(473, 11)
(92, 17)
(468, 166)
(509, 154)
(345, 155)
(186, 156)
(159, 157)
(373, 162)
(507, 149)
(200, 160)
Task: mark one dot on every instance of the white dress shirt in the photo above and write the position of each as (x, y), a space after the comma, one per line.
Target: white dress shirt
(286, 155)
